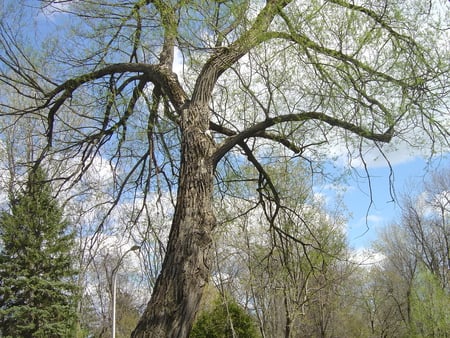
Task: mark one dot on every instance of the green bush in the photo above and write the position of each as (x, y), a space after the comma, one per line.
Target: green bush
(225, 317)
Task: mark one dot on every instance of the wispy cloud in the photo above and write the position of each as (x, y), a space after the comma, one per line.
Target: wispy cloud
(366, 257)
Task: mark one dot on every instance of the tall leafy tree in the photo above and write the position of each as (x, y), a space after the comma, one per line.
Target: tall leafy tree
(430, 303)
(37, 289)
(172, 93)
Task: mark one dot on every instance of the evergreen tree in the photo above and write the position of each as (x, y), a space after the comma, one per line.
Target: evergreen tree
(37, 288)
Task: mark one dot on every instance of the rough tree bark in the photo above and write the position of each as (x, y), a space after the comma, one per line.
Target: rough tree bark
(185, 271)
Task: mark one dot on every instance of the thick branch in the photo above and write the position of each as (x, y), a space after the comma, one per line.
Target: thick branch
(169, 23)
(160, 75)
(256, 129)
(225, 57)
(157, 74)
(263, 134)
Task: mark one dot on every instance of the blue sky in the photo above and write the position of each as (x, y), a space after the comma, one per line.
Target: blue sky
(367, 219)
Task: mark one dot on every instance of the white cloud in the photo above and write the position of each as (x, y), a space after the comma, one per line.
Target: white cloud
(398, 152)
(52, 9)
(366, 257)
(374, 219)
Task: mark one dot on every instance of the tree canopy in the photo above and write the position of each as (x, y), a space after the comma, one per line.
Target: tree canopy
(176, 94)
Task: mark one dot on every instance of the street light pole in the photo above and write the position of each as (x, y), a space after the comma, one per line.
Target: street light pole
(114, 278)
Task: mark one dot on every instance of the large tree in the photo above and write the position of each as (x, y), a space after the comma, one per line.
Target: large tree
(38, 290)
(175, 93)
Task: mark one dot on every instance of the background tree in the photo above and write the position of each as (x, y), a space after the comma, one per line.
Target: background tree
(429, 306)
(255, 77)
(131, 291)
(407, 290)
(384, 301)
(425, 222)
(288, 271)
(397, 271)
(37, 279)
(19, 144)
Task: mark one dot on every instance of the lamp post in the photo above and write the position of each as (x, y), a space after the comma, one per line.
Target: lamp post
(114, 276)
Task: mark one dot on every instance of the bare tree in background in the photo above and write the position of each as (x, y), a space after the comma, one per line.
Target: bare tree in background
(175, 93)
(413, 277)
(425, 222)
(288, 272)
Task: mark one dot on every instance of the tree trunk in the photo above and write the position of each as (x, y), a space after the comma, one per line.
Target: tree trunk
(185, 270)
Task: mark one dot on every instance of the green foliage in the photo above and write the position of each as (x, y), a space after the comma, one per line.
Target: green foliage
(37, 289)
(127, 315)
(430, 304)
(225, 317)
